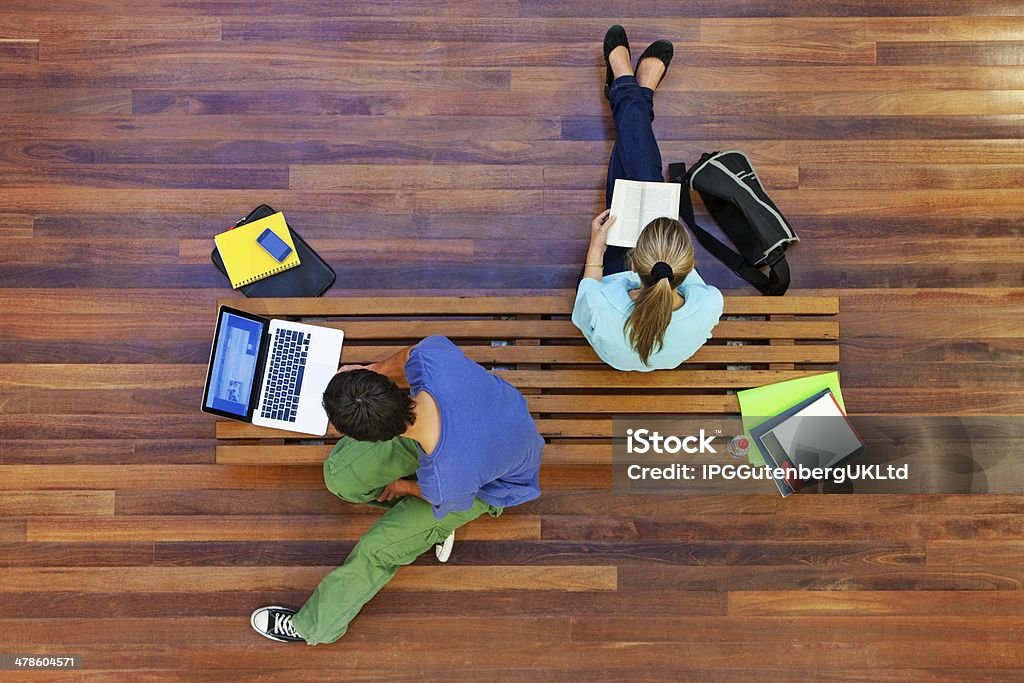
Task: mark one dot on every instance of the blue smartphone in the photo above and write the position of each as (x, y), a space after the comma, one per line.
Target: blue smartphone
(274, 245)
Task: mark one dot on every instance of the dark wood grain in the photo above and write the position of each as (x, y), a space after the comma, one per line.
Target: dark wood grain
(457, 148)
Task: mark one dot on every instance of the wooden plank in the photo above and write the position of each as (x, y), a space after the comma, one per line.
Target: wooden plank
(876, 603)
(375, 176)
(322, 101)
(528, 29)
(579, 354)
(143, 175)
(557, 303)
(49, 251)
(108, 302)
(285, 127)
(159, 477)
(564, 329)
(84, 503)
(13, 225)
(61, 199)
(273, 8)
(970, 552)
(63, 376)
(255, 528)
(875, 29)
(784, 630)
(682, 379)
(974, 531)
(797, 581)
(97, 450)
(975, 53)
(937, 401)
(933, 176)
(134, 632)
(91, 426)
(69, 100)
(216, 71)
(19, 50)
(12, 530)
(111, 27)
(212, 579)
(102, 554)
(833, 101)
(435, 50)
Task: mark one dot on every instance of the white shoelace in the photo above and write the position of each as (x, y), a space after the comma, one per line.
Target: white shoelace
(283, 625)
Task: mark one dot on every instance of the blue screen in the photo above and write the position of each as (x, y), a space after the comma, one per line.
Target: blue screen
(234, 364)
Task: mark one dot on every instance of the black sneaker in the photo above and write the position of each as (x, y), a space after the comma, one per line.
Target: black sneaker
(275, 623)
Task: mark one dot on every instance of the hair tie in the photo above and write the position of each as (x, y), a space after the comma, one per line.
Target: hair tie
(661, 270)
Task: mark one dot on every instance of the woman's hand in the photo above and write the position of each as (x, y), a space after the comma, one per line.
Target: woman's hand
(599, 229)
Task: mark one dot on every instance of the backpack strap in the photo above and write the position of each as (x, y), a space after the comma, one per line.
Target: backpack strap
(774, 284)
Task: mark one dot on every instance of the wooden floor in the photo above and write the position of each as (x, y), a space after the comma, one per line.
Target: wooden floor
(455, 146)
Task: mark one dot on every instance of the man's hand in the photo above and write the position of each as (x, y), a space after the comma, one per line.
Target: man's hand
(347, 368)
(399, 488)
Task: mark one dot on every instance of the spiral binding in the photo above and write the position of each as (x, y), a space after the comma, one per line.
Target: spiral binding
(274, 271)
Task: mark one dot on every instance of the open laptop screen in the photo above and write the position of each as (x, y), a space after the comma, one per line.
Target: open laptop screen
(233, 366)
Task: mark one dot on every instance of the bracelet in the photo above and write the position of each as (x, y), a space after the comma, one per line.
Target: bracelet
(593, 265)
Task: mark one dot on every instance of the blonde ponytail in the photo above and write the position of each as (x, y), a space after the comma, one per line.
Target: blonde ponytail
(663, 240)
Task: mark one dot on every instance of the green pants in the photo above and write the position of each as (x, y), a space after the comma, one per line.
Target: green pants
(357, 471)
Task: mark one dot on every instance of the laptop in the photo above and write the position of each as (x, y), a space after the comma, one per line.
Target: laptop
(271, 373)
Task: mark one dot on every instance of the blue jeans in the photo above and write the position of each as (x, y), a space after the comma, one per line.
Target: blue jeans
(635, 155)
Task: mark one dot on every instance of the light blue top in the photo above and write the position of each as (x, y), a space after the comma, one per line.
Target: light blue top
(602, 308)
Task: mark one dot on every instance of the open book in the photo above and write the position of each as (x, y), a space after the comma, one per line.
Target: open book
(635, 204)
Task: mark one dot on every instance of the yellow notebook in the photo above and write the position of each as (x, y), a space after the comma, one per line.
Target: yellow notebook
(245, 260)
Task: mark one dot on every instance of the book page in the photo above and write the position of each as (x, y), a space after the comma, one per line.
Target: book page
(659, 199)
(635, 204)
(626, 200)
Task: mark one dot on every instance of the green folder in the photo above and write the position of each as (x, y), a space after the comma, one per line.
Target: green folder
(763, 403)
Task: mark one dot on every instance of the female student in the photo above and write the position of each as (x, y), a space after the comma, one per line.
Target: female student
(647, 308)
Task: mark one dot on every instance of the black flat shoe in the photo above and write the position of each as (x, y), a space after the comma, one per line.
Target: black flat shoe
(659, 49)
(615, 37)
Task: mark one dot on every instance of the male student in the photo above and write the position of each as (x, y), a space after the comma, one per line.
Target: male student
(465, 434)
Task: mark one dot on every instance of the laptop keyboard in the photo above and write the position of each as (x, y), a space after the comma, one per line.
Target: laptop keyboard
(287, 360)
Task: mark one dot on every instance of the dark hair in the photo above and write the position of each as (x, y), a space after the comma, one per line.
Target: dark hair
(367, 406)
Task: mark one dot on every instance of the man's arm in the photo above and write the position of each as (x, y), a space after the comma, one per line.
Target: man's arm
(399, 488)
(394, 367)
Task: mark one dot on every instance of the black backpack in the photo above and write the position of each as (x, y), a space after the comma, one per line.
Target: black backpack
(734, 197)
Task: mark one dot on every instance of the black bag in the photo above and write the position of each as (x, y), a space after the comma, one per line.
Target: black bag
(312, 277)
(733, 195)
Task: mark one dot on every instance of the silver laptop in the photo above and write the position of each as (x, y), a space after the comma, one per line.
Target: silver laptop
(271, 373)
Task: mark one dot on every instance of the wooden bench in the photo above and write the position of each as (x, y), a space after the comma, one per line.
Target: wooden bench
(532, 343)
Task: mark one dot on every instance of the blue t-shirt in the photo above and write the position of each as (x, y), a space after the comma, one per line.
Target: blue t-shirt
(602, 309)
(489, 446)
